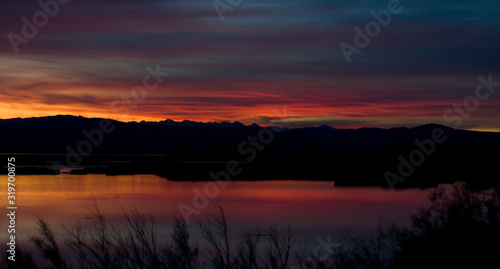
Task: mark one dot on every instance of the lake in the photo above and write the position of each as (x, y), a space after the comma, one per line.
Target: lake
(313, 209)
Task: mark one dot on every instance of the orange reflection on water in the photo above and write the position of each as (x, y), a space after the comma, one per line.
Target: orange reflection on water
(312, 208)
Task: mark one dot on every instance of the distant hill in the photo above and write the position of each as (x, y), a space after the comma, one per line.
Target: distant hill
(190, 150)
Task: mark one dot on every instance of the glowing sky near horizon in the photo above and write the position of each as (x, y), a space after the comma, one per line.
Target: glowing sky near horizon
(264, 56)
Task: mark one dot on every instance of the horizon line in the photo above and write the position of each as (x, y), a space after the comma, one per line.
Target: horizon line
(248, 125)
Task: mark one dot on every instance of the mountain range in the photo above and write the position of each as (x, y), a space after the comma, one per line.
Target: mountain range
(411, 157)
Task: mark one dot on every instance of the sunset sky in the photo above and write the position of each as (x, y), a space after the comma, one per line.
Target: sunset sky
(264, 56)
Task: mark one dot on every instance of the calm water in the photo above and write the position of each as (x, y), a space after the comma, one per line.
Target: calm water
(314, 209)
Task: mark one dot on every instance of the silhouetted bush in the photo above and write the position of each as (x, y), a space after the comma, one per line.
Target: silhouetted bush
(46, 244)
(23, 259)
(215, 232)
(181, 253)
(460, 229)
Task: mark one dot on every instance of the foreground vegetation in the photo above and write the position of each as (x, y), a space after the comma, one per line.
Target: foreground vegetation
(460, 229)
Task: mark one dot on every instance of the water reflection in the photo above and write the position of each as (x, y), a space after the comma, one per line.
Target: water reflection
(312, 208)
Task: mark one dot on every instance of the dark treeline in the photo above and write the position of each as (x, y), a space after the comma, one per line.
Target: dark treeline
(460, 229)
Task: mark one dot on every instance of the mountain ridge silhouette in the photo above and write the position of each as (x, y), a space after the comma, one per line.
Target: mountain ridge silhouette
(191, 150)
